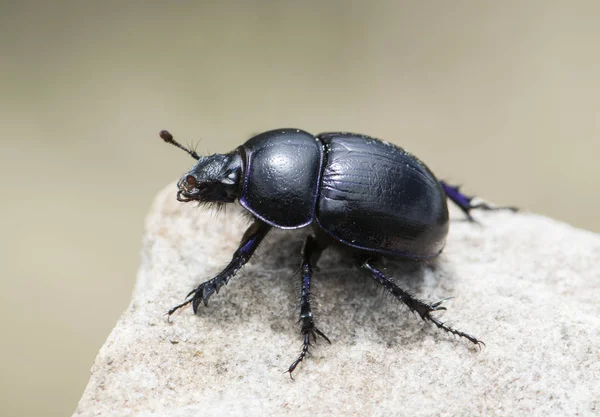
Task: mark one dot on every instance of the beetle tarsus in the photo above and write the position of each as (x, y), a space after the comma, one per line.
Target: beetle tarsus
(464, 202)
(177, 307)
(445, 327)
(310, 255)
(422, 308)
(486, 207)
(310, 335)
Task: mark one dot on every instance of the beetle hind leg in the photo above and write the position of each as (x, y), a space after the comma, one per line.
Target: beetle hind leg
(422, 308)
(464, 202)
(310, 255)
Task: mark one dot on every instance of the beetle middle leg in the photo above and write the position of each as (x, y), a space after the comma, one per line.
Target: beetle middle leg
(463, 201)
(310, 255)
(422, 308)
(250, 241)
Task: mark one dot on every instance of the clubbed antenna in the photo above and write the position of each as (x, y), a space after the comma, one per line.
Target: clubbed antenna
(167, 137)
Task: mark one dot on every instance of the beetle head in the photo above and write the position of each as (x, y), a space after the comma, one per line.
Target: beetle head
(214, 179)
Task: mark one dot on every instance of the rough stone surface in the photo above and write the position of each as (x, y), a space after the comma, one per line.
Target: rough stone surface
(527, 285)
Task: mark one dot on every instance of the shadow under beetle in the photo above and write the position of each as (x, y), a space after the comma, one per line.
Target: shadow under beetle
(368, 195)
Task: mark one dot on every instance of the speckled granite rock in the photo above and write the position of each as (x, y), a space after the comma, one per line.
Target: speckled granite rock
(527, 285)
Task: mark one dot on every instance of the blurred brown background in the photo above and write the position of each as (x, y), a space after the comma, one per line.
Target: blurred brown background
(503, 97)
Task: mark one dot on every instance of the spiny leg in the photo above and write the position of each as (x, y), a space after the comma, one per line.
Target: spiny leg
(464, 201)
(422, 308)
(310, 255)
(250, 241)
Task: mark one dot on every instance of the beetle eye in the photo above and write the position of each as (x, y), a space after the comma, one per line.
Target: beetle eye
(191, 181)
(230, 178)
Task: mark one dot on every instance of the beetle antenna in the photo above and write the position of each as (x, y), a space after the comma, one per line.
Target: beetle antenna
(167, 137)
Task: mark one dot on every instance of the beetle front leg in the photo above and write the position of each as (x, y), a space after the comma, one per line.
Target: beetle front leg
(464, 201)
(250, 241)
(310, 255)
(422, 308)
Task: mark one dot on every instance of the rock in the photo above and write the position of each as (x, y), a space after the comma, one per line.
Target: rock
(527, 285)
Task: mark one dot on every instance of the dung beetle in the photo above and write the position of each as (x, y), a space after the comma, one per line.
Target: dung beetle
(367, 195)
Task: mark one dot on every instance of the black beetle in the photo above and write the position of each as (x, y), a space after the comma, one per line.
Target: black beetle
(368, 195)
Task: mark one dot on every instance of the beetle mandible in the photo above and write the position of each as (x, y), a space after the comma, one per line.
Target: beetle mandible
(368, 195)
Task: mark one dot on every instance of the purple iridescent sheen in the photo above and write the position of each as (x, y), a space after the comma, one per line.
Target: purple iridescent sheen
(455, 195)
